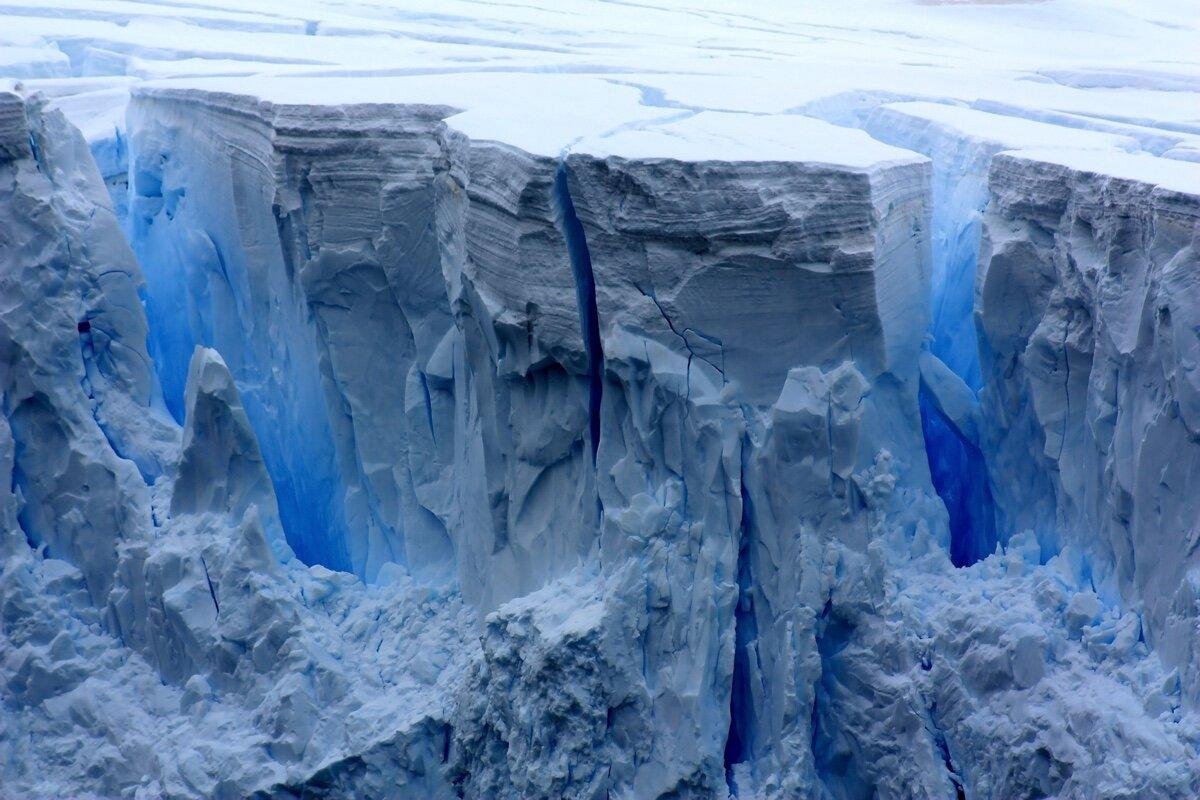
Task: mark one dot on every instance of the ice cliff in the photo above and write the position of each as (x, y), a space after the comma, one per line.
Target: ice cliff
(447, 436)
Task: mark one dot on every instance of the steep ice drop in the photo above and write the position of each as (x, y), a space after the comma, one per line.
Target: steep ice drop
(706, 552)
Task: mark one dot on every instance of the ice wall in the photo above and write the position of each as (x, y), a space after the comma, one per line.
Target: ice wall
(310, 263)
(1086, 295)
(524, 453)
(621, 377)
(658, 414)
(78, 388)
(156, 636)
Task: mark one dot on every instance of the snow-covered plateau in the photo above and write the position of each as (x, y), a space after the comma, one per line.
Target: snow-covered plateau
(690, 400)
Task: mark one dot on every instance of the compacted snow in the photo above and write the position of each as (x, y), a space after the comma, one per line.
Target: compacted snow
(600, 399)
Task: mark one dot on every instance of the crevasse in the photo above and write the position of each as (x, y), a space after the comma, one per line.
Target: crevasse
(959, 194)
(585, 291)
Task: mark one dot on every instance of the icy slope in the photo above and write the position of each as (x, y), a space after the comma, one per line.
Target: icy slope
(599, 400)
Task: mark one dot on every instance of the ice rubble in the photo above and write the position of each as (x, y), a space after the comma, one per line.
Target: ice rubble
(572, 437)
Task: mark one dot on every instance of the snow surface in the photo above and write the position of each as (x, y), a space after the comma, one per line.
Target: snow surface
(599, 399)
(1136, 167)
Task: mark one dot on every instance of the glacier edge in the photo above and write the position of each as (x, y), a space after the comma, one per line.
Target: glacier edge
(654, 495)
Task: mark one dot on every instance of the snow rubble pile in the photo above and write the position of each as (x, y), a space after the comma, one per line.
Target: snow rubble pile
(448, 460)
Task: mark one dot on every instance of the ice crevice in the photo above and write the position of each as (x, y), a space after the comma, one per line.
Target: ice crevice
(585, 293)
(939, 740)
(951, 424)
(739, 745)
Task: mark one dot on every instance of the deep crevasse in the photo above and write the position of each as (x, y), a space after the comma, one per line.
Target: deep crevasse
(585, 291)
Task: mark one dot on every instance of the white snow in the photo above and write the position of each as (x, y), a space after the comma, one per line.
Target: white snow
(726, 137)
(1166, 173)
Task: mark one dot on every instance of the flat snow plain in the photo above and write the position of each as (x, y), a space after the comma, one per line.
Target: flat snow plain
(604, 75)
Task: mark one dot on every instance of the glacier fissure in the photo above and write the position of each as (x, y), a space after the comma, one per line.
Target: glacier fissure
(585, 292)
(384, 459)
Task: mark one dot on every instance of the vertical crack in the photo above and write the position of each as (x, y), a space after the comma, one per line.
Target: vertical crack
(739, 743)
(1062, 441)
(428, 406)
(943, 748)
(958, 471)
(212, 591)
(585, 295)
(18, 484)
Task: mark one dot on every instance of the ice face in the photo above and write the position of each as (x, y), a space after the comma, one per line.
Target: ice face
(80, 393)
(1079, 346)
(150, 560)
(611, 415)
(317, 304)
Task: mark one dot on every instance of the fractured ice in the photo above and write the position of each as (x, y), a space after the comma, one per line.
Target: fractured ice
(433, 436)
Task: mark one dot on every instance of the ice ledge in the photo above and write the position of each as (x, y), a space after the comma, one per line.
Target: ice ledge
(540, 115)
(1167, 174)
(286, 113)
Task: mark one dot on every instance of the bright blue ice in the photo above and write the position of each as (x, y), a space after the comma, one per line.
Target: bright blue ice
(959, 473)
(197, 264)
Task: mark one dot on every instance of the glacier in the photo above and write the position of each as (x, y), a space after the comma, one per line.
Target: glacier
(473, 400)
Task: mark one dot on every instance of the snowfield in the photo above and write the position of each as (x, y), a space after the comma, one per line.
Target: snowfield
(600, 399)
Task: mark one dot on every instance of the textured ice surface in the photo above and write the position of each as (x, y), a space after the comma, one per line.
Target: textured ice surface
(599, 400)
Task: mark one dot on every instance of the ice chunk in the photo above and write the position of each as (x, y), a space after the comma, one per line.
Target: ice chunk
(220, 467)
